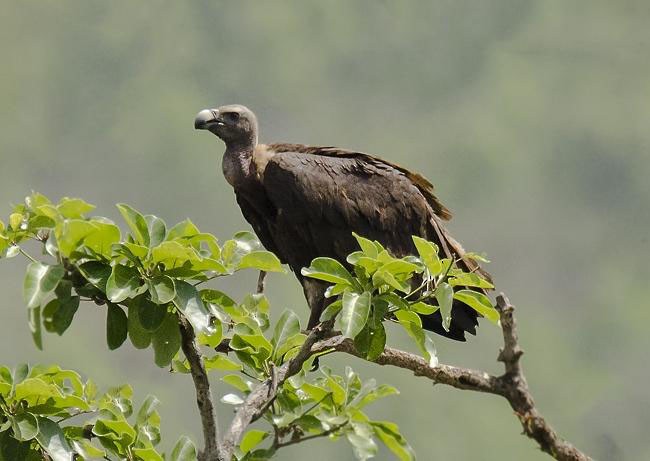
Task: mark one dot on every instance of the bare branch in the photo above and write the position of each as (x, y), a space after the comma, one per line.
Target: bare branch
(513, 382)
(203, 396)
(260, 282)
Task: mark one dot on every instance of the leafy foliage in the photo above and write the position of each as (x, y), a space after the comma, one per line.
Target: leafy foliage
(384, 287)
(145, 278)
(39, 404)
(152, 276)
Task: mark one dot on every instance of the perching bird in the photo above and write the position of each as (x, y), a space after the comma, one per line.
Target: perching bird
(304, 202)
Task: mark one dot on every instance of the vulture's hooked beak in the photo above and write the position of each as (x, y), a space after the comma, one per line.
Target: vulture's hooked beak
(205, 118)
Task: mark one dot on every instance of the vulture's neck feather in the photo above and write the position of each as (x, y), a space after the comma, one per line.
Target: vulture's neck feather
(245, 164)
(236, 165)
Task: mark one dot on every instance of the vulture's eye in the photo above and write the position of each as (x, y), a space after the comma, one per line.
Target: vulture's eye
(232, 117)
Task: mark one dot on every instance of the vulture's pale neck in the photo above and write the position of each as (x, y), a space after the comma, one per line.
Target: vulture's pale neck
(237, 163)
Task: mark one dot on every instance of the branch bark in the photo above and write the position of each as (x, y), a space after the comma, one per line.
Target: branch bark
(511, 385)
(204, 401)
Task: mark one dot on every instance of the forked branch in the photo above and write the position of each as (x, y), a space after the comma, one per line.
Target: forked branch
(511, 385)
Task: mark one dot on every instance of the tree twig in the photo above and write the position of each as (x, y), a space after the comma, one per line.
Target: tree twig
(260, 282)
(211, 449)
(277, 444)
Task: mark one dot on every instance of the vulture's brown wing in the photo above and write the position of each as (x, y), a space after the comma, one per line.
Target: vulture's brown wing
(423, 184)
(325, 197)
(408, 182)
(322, 195)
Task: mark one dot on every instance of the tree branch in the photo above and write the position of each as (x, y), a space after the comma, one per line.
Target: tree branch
(262, 396)
(203, 396)
(511, 385)
(260, 282)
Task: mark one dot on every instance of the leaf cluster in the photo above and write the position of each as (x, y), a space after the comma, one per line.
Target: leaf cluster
(382, 287)
(51, 411)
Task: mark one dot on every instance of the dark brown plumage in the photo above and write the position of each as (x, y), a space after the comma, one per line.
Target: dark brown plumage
(305, 201)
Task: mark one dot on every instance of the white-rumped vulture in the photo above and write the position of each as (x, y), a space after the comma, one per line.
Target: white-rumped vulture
(305, 201)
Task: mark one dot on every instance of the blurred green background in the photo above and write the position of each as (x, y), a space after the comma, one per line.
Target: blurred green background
(532, 119)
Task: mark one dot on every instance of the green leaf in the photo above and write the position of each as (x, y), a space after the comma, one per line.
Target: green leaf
(362, 442)
(212, 337)
(479, 302)
(428, 252)
(261, 260)
(174, 254)
(413, 326)
(424, 308)
(96, 273)
(12, 251)
(244, 242)
(354, 313)
(467, 279)
(40, 280)
(166, 340)
(189, 302)
(157, 230)
(34, 318)
(332, 310)
(399, 267)
(252, 439)
(221, 362)
(63, 316)
(136, 223)
(162, 289)
(476, 257)
(25, 426)
(389, 434)
(74, 208)
(287, 326)
(367, 246)
(292, 344)
(15, 221)
(445, 297)
(20, 373)
(139, 336)
(116, 326)
(147, 454)
(384, 277)
(329, 270)
(146, 409)
(237, 382)
(36, 199)
(123, 283)
(51, 438)
(371, 341)
(150, 315)
(136, 252)
(102, 237)
(182, 229)
(71, 233)
(184, 450)
(12, 450)
(376, 393)
(86, 449)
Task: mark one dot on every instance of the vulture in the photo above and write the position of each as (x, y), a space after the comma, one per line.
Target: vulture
(306, 201)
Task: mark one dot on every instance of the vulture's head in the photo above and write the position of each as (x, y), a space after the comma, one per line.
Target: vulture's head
(234, 124)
